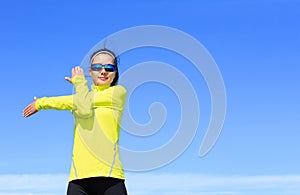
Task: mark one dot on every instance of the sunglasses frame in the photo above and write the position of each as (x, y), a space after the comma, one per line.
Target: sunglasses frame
(108, 69)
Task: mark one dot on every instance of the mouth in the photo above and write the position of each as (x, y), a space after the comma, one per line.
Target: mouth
(103, 78)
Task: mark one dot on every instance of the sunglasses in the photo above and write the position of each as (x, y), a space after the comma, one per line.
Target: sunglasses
(107, 67)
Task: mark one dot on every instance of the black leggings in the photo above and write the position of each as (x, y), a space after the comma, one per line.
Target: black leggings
(97, 186)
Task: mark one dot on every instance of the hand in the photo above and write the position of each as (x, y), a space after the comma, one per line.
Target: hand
(30, 109)
(77, 71)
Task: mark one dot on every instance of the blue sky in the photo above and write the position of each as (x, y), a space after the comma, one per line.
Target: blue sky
(255, 45)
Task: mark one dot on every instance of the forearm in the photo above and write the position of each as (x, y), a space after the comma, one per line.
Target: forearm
(57, 103)
(82, 98)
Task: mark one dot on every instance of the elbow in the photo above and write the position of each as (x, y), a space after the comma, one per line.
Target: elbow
(83, 113)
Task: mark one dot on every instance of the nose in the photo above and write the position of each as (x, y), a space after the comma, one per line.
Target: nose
(103, 71)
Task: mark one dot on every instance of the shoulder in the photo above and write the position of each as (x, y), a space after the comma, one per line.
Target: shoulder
(119, 90)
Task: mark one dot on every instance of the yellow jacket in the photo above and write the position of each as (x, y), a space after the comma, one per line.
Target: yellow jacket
(97, 115)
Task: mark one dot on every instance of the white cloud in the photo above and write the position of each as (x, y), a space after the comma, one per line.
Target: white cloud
(162, 184)
(33, 184)
(191, 184)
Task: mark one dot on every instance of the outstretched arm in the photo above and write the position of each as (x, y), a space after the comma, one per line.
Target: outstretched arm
(59, 103)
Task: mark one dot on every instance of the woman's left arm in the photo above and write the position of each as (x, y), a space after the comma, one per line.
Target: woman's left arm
(58, 103)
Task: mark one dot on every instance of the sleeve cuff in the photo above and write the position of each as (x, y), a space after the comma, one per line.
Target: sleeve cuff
(78, 80)
(37, 104)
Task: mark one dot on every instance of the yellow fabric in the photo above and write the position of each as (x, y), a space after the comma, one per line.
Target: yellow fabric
(97, 115)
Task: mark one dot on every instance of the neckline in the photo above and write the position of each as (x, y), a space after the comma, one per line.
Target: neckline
(100, 88)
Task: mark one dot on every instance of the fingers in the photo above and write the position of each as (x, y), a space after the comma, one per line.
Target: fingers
(29, 110)
(26, 111)
(76, 71)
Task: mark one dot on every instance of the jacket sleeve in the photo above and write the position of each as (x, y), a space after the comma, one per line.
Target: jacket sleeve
(58, 103)
(79, 103)
(82, 99)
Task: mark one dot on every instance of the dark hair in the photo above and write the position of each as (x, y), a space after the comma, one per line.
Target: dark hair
(116, 62)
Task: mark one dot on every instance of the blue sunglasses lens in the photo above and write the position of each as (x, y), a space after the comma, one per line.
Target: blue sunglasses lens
(107, 67)
(110, 67)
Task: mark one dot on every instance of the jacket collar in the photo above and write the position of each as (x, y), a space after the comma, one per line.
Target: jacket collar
(99, 88)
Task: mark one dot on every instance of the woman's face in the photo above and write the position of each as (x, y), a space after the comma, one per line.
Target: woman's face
(102, 77)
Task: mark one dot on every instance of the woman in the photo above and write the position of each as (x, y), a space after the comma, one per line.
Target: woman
(96, 168)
